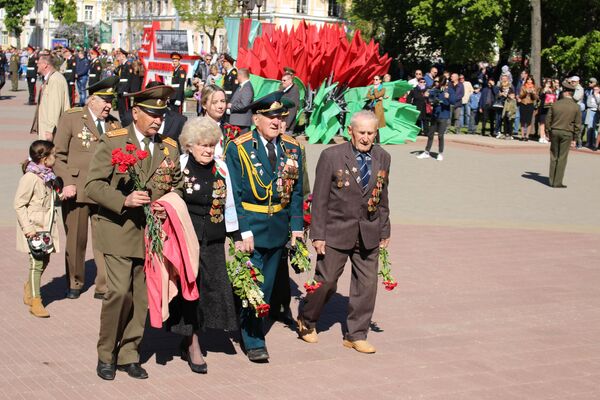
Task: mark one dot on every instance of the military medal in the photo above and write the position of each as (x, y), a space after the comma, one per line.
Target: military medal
(196, 186)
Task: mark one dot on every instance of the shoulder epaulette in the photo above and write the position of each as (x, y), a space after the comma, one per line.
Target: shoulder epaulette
(289, 139)
(243, 139)
(117, 132)
(74, 109)
(169, 141)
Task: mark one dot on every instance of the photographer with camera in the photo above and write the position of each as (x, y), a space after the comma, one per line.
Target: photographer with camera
(440, 101)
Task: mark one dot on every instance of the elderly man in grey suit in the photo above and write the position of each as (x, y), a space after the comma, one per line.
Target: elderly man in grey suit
(350, 219)
(291, 92)
(240, 114)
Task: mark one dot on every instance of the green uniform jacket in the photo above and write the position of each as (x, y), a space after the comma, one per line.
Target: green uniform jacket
(14, 63)
(269, 231)
(564, 115)
(120, 230)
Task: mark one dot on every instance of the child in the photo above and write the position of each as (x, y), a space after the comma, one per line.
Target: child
(474, 108)
(34, 205)
(509, 113)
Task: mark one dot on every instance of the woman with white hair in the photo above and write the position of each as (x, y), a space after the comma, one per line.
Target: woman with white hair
(208, 195)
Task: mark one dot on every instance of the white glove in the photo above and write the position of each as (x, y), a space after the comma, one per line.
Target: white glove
(177, 102)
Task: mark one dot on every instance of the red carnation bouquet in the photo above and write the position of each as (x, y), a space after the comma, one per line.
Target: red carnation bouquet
(125, 161)
(231, 131)
(307, 211)
(385, 270)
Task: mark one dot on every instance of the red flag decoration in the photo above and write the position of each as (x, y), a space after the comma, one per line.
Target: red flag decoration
(316, 54)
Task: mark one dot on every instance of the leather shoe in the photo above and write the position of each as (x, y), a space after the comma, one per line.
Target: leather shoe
(309, 335)
(258, 355)
(99, 296)
(362, 346)
(134, 370)
(560, 186)
(73, 293)
(106, 371)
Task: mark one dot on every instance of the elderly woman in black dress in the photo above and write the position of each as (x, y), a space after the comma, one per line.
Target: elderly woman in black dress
(207, 193)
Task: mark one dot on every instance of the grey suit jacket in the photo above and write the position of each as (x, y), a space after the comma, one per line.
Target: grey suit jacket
(340, 214)
(240, 100)
(293, 94)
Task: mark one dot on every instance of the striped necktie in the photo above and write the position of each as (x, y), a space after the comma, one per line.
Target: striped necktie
(364, 160)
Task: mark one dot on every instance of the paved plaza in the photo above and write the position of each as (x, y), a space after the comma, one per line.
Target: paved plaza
(498, 295)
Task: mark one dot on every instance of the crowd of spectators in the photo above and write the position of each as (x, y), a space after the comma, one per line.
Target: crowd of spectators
(503, 108)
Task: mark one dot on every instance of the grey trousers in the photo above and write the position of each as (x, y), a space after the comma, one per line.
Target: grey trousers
(363, 288)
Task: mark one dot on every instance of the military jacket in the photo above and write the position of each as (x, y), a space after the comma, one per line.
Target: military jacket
(230, 83)
(31, 67)
(76, 140)
(178, 83)
(124, 71)
(268, 203)
(68, 70)
(14, 63)
(120, 230)
(95, 72)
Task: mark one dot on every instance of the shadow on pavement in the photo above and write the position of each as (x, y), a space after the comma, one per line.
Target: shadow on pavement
(535, 176)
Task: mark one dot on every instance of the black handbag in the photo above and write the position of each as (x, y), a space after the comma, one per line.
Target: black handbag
(41, 244)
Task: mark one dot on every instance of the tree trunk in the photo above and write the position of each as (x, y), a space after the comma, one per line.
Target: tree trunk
(536, 39)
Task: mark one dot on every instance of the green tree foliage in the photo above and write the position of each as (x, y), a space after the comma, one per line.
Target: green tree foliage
(64, 11)
(15, 11)
(76, 34)
(207, 15)
(572, 54)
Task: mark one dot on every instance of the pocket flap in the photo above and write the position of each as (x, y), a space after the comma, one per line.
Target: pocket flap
(74, 171)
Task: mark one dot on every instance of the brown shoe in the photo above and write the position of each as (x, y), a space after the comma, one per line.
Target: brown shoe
(309, 335)
(37, 308)
(27, 294)
(362, 346)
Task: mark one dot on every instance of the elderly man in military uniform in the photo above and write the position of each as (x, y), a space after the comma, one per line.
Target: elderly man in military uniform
(177, 83)
(265, 167)
(123, 71)
(230, 79)
(95, 67)
(77, 135)
(68, 70)
(121, 223)
(564, 123)
(31, 74)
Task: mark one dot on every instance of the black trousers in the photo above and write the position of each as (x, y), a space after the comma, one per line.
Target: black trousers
(488, 114)
(31, 88)
(439, 126)
(122, 106)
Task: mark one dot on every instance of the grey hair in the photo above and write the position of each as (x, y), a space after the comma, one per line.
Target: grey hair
(199, 129)
(363, 114)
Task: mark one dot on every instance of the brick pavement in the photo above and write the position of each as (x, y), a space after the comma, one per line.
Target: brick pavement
(497, 299)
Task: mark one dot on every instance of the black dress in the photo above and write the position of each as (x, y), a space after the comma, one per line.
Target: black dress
(215, 308)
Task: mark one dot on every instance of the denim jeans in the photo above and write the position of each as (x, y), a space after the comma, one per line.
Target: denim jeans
(517, 124)
(466, 113)
(473, 119)
(81, 89)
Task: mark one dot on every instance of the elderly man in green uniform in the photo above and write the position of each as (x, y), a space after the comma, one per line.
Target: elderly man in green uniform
(77, 134)
(564, 122)
(265, 167)
(121, 223)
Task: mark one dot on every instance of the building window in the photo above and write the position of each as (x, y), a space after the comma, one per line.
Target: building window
(301, 7)
(88, 13)
(159, 7)
(334, 9)
(4, 38)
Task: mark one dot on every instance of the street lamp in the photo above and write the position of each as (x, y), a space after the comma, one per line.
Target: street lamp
(247, 6)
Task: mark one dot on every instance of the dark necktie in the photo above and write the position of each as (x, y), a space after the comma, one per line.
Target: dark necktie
(146, 162)
(99, 127)
(271, 154)
(364, 171)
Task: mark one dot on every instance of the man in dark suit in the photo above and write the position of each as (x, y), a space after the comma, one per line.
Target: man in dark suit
(350, 219)
(77, 135)
(177, 83)
(95, 67)
(230, 79)
(31, 74)
(290, 92)
(123, 71)
(240, 114)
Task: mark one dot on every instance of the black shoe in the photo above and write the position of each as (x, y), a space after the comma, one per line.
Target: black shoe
(285, 317)
(73, 293)
(99, 296)
(106, 371)
(185, 355)
(258, 355)
(134, 370)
